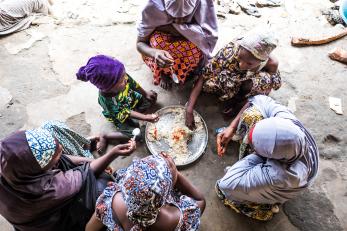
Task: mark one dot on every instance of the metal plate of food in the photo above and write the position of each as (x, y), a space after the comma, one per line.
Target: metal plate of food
(171, 135)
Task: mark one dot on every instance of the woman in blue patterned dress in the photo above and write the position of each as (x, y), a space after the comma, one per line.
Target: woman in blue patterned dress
(149, 195)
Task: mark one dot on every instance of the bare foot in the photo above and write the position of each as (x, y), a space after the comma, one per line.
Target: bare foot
(101, 145)
(92, 146)
(166, 82)
(339, 54)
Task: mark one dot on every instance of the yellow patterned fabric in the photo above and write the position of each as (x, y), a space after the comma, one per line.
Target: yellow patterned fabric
(118, 108)
(248, 119)
(222, 75)
(261, 212)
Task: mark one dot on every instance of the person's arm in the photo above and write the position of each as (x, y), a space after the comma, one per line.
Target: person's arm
(149, 95)
(192, 101)
(187, 188)
(271, 65)
(100, 164)
(143, 47)
(161, 57)
(224, 137)
(94, 224)
(144, 117)
(77, 160)
(271, 68)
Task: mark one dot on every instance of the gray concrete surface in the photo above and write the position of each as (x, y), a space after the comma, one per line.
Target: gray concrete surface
(39, 84)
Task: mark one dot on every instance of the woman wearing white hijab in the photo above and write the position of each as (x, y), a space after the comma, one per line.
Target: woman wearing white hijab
(176, 37)
(279, 161)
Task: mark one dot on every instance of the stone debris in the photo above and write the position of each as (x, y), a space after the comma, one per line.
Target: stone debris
(250, 7)
(333, 15)
(336, 105)
(268, 3)
(291, 103)
(5, 97)
(228, 7)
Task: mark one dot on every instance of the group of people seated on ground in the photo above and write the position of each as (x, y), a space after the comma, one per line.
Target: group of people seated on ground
(49, 179)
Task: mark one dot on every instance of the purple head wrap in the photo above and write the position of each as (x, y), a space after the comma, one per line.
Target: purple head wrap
(102, 71)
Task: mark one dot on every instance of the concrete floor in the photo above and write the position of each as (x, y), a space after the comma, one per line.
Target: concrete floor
(39, 84)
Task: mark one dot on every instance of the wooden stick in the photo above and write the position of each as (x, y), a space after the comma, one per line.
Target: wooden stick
(300, 42)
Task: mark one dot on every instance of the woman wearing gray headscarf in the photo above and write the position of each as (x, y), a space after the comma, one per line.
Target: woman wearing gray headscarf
(176, 37)
(244, 67)
(278, 159)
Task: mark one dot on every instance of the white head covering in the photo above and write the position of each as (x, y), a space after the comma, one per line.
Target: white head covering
(180, 8)
(260, 42)
(278, 138)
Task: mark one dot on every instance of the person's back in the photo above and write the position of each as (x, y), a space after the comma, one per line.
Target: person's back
(16, 15)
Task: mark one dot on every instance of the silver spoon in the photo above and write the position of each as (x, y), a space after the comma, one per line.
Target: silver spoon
(174, 76)
(135, 133)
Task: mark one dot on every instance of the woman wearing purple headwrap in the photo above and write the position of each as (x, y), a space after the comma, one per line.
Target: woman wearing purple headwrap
(176, 37)
(149, 195)
(121, 97)
(42, 188)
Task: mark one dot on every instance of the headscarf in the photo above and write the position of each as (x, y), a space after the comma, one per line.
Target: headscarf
(179, 8)
(259, 42)
(71, 141)
(42, 145)
(102, 71)
(201, 27)
(280, 139)
(146, 187)
(28, 194)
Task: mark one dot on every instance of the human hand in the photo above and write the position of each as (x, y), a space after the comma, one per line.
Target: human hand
(163, 58)
(190, 122)
(151, 96)
(152, 118)
(223, 140)
(124, 149)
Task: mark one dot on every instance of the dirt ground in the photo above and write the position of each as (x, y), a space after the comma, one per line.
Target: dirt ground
(39, 84)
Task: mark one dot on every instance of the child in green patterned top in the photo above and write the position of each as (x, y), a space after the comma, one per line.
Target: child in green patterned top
(120, 96)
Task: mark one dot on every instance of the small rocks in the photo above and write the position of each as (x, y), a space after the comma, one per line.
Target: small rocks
(250, 7)
(331, 139)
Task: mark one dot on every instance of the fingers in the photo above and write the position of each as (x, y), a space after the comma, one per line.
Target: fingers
(221, 147)
(123, 146)
(167, 55)
(132, 144)
(155, 117)
(160, 62)
(163, 60)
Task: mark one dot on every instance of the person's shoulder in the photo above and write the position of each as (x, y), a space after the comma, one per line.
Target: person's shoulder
(168, 219)
(272, 64)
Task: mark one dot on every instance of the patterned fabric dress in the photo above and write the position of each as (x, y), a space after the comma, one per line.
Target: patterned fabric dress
(144, 195)
(248, 119)
(186, 56)
(223, 77)
(117, 109)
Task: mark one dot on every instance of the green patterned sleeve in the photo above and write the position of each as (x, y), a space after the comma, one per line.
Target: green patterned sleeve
(123, 115)
(132, 83)
(112, 110)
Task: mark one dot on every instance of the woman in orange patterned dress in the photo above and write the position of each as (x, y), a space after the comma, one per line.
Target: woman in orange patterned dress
(176, 37)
